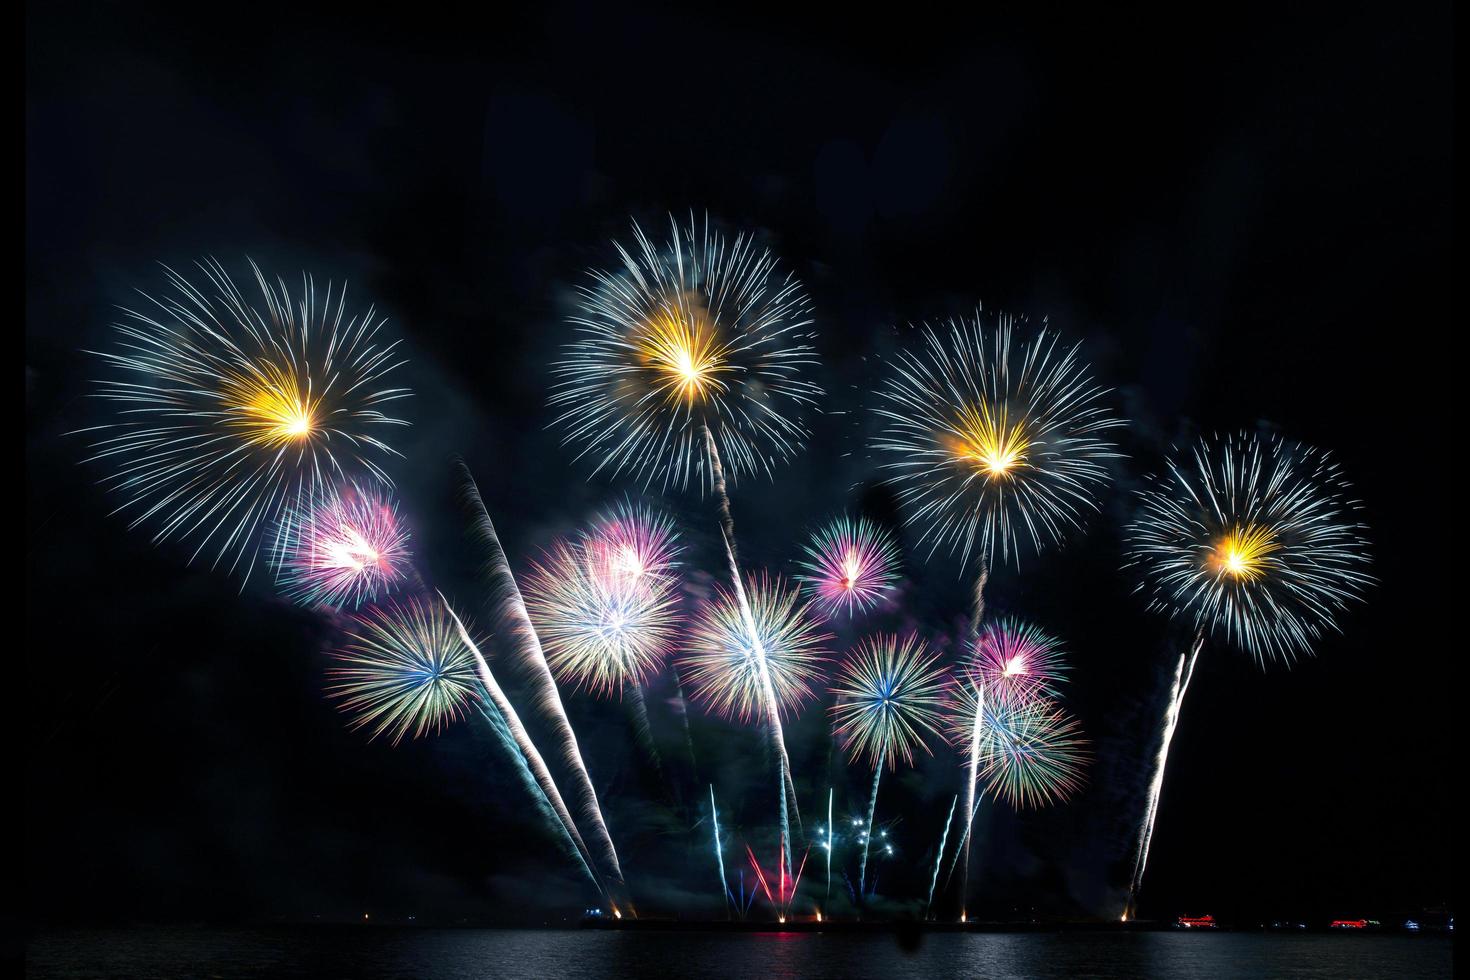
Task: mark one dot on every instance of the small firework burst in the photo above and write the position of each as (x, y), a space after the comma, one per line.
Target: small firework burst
(744, 669)
(1255, 540)
(693, 334)
(605, 605)
(346, 547)
(889, 695)
(1016, 662)
(850, 566)
(403, 669)
(987, 441)
(229, 411)
(635, 544)
(1027, 753)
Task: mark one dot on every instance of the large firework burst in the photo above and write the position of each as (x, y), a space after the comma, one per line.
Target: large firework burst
(605, 604)
(1254, 540)
(889, 695)
(989, 441)
(1016, 662)
(850, 565)
(1028, 753)
(730, 662)
(403, 668)
(698, 332)
(229, 410)
(345, 547)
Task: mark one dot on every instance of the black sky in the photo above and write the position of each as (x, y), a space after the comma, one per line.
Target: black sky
(1246, 219)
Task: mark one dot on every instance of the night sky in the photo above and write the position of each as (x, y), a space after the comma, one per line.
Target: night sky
(1246, 221)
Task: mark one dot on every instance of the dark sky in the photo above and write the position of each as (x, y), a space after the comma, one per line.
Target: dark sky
(1246, 220)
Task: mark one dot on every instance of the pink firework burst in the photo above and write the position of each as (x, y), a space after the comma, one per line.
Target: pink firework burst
(345, 548)
(1017, 662)
(633, 545)
(850, 565)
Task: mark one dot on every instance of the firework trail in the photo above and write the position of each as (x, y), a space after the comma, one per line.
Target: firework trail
(850, 566)
(938, 858)
(719, 847)
(828, 845)
(516, 623)
(572, 845)
(889, 694)
(754, 654)
(1026, 753)
(688, 359)
(230, 411)
(1249, 540)
(347, 546)
(985, 440)
(1182, 675)
(527, 748)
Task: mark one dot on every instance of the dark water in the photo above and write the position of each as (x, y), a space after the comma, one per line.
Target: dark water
(466, 954)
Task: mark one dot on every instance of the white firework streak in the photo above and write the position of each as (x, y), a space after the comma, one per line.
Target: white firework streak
(528, 649)
(719, 847)
(527, 747)
(785, 785)
(938, 858)
(1182, 675)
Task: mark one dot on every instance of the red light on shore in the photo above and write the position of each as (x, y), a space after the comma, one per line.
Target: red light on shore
(1197, 922)
(1349, 923)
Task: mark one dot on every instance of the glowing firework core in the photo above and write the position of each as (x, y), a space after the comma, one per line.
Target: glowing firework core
(1242, 552)
(989, 443)
(681, 350)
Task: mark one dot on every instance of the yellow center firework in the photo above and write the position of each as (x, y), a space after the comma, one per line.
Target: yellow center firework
(680, 349)
(269, 405)
(989, 441)
(1242, 552)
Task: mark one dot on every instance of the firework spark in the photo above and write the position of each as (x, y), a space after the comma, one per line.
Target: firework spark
(850, 566)
(231, 410)
(1016, 662)
(1254, 541)
(987, 441)
(889, 695)
(747, 673)
(402, 670)
(695, 332)
(346, 547)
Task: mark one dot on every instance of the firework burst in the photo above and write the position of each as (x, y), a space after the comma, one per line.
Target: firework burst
(989, 441)
(403, 669)
(850, 565)
(345, 548)
(230, 410)
(1016, 662)
(606, 604)
(696, 333)
(1253, 540)
(747, 672)
(889, 696)
(1027, 753)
